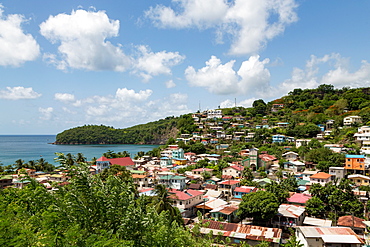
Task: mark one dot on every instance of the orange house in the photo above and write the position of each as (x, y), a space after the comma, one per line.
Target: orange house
(355, 162)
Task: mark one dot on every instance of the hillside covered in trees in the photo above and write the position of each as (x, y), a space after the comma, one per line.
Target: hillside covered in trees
(157, 132)
(303, 109)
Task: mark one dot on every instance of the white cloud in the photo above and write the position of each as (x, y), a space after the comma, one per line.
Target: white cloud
(15, 93)
(251, 24)
(82, 36)
(251, 78)
(64, 97)
(46, 113)
(150, 64)
(124, 94)
(231, 103)
(124, 108)
(170, 84)
(330, 69)
(16, 47)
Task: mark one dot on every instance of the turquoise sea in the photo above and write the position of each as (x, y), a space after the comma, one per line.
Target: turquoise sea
(34, 147)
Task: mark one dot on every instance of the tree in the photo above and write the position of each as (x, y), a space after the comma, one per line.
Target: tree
(162, 202)
(315, 207)
(261, 205)
(292, 241)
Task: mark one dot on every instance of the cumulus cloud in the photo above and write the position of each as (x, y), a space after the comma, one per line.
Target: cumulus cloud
(64, 97)
(15, 93)
(150, 64)
(249, 23)
(170, 84)
(231, 103)
(82, 38)
(251, 78)
(329, 69)
(46, 113)
(126, 107)
(16, 47)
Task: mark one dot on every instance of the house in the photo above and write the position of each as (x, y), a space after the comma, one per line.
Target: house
(307, 174)
(277, 107)
(355, 223)
(299, 199)
(173, 181)
(263, 181)
(355, 163)
(141, 180)
(235, 171)
(295, 166)
(321, 178)
(336, 148)
(200, 171)
(5, 181)
(225, 212)
(278, 138)
(310, 221)
(239, 192)
(282, 125)
(311, 236)
(165, 162)
(289, 216)
(228, 187)
(359, 180)
(300, 142)
(337, 172)
(363, 134)
(214, 114)
(186, 200)
(291, 156)
(103, 163)
(266, 160)
(351, 120)
(240, 233)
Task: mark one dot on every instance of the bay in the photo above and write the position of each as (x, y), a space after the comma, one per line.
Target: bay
(34, 147)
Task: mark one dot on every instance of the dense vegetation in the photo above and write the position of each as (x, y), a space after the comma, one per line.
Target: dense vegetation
(151, 133)
(90, 211)
(303, 109)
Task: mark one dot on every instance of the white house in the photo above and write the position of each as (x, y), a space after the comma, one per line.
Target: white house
(291, 156)
(350, 120)
(234, 171)
(173, 181)
(311, 236)
(321, 178)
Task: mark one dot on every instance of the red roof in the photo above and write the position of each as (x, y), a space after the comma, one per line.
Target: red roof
(299, 198)
(267, 157)
(229, 182)
(350, 221)
(245, 189)
(124, 161)
(321, 175)
(184, 195)
(236, 167)
(203, 169)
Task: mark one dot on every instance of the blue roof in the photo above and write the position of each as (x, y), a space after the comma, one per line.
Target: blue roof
(355, 156)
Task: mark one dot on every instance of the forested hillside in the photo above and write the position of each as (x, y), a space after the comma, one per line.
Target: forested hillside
(303, 109)
(157, 132)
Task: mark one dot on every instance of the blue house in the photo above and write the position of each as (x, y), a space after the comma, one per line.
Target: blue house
(278, 138)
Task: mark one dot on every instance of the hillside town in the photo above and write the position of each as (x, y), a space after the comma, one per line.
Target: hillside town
(214, 187)
(216, 195)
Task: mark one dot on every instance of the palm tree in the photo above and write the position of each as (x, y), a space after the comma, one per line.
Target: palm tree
(80, 158)
(19, 164)
(162, 202)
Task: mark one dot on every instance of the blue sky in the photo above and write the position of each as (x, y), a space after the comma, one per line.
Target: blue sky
(120, 63)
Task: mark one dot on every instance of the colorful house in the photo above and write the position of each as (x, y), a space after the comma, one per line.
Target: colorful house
(359, 180)
(355, 163)
(239, 192)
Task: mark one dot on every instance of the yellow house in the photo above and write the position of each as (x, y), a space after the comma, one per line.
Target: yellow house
(359, 179)
(179, 162)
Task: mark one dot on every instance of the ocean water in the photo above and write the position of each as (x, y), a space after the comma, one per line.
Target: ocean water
(34, 147)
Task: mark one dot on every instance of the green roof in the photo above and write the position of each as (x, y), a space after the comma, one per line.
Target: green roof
(167, 177)
(302, 182)
(137, 171)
